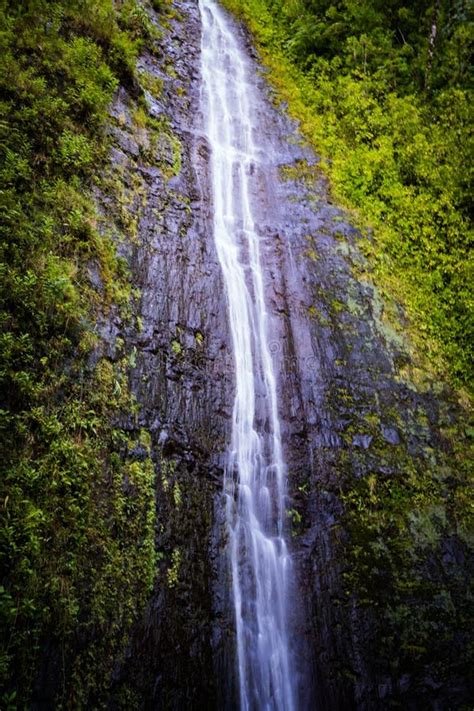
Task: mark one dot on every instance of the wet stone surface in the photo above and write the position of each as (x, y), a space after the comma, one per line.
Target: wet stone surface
(348, 409)
(177, 344)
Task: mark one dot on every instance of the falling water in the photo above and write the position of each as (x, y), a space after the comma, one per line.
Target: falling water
(255, 481)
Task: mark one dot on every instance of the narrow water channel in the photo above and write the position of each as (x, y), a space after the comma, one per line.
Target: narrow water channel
(255, 479)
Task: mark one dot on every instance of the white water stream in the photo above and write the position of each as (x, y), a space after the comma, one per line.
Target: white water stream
(255, 481)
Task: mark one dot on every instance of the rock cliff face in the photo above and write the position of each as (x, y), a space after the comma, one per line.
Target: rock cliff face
(181, 376)
(381, 566)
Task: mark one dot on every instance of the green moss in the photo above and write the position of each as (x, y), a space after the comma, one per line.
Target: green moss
(337, 306)
(177, 494)
(176, 347)
(77, 554)
(165, 146)
(173, 571)
(152, 84)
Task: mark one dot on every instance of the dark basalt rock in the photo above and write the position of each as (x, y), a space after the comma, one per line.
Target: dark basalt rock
(347, 411)
(181, 376)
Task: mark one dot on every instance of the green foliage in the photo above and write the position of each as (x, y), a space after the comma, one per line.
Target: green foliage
(393, 127)
(173, 570)
(77, 537)
(400, 527)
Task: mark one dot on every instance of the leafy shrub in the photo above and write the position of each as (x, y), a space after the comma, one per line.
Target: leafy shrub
(77, 537)
(392, 115)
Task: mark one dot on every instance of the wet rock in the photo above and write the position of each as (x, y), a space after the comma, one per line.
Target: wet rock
(338, 376)
(404, 683)
(361, 440)
(391, 435)
(127, 143)
(385, 689)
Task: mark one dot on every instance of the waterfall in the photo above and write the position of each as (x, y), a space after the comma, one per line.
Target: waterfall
(255, 479)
